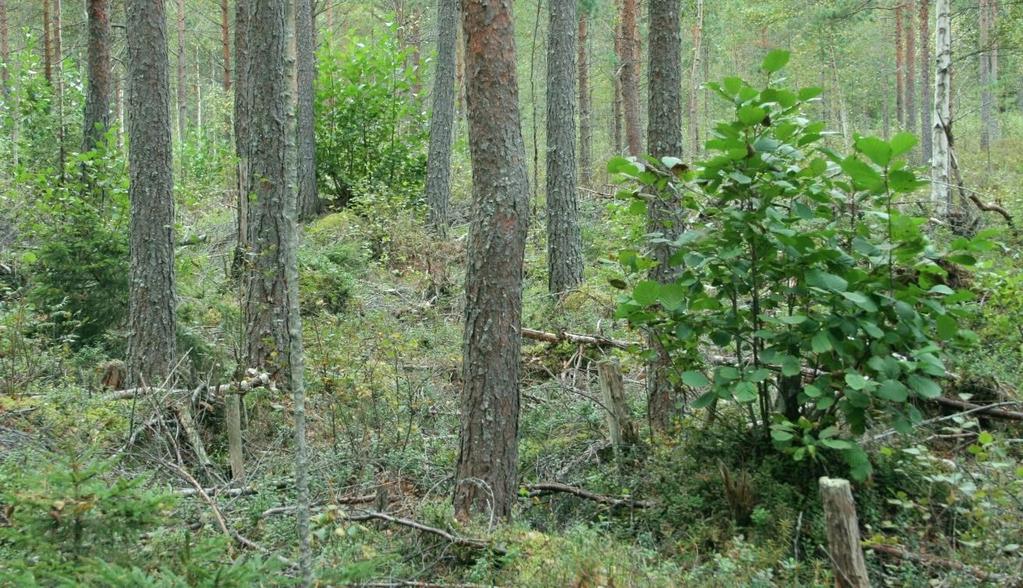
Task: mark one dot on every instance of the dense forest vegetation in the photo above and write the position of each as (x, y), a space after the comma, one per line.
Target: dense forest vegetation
(492, 293)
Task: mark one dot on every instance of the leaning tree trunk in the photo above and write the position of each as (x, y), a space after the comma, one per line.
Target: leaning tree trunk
(564, 242)
(926, 94)
(664, 139)
(272, 322)
(585, 114)
(438, 163)
(486, 479)
(941, 190)
(97, 97)
(629, 58)
(151, 324)
(305, 138)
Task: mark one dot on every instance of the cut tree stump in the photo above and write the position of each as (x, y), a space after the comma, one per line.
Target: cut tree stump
(843, 534)
(619, 422)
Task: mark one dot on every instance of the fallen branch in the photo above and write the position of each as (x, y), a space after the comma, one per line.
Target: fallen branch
(362, 499)
(933, 561)
(449, 537)
(255, 380)
(545, 488)
(990, 410)
(562, 337)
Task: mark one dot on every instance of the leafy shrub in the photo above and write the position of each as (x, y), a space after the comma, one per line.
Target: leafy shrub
(371, 130)
(829, 300)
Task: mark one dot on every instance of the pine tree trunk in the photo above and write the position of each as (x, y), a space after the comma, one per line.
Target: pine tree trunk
(151, 321)
(564, 242)
(986, 96)
(695, 83)
(616, 108)
(58, 86)
(272, 321)
(225, 43)
(181, 64)
(585, 108)
(97, 97)
(664, 139)
(941, 191)
(629, 58)
(900, 68)
(487, 477)
(438, 164)
(926, 92)
(910, 66)
(47, 44)
(242, 120)
(305, 48)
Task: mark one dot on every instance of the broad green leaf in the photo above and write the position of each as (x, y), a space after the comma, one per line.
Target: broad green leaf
(694, 379)
(856, 381)
(810, 93)
(646, 292)
(902, 143)
(745, 392)
(947, 327)
(893, 390)
(821, 343)
(751, 115)
(775, 60)
(862, 174)
(860, 300)
(877, 150)
(705, 400)
(925, 387)
(791, 366)
(822, 279)
(672, 296)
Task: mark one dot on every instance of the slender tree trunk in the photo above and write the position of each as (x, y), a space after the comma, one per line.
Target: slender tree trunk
(225, 42)
(486, 480)
(664, 139)
(151, 322)
(900, 68)
(629, 58)
(986, 79)
(564, 242)
(242, 120)
(97, 97)
(305, 46)
(616, 110)
(47, 44)
(926, 93)
(5, 53)
(941, 192)
(119, 108)
(58, 74)
(839, 95)
(438, 165)
(585, 108)
(695, 83)
(273, 324)
(910, 66)
(181, 64)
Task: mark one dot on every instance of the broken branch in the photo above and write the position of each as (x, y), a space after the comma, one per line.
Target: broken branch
(545, 488)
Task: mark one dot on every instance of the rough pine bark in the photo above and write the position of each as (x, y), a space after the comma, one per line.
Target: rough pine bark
(181, 64)
(585, 108)
(664, 139)
(941, 191)
(926, 93)
(305, 124)
(900, 68)
(442, 119)
(910, 65)
(629, 58)
(151, 322)
(98, 88)
(272, 322)
(225, 43)
(564, 242)
(486, 477)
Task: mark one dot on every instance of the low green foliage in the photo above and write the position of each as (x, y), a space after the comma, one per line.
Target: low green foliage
(371, 130)
(799, 265)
